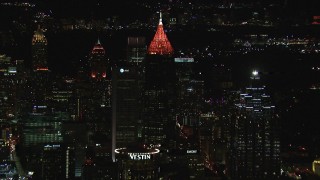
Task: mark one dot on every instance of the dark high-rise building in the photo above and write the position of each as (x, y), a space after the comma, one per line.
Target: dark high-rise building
(100, 75)
(93, 107)
(95, 94)
(127, 85)
(39, 50)
(75, 141)
(40, 90)
(39, 83)
(136, 50)
(159, 89)
(53, 162)
(256, 146)
(8, 88)
(189, 93)
(125, 106)
(136, 54)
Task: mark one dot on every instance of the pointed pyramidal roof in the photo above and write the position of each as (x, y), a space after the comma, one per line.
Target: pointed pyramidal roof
(98, 48)
(160, 44)
(38, 36)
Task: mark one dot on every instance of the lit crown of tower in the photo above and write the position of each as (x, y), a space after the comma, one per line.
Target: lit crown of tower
(39, 37)
(98, 61)
(98, 49)
(160, 44)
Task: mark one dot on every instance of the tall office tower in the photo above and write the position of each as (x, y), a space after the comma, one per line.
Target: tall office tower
(159, 89)
(136, 55)
(39, 50)
(256, 144)
(95, 110)
(189, 93)
(39, 82)
(8, 88)
(99, 86)
(125, 107)
(100, 75)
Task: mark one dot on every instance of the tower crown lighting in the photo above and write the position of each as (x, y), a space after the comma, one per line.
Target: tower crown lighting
(98, 48)
(160, 44)
(39, 37)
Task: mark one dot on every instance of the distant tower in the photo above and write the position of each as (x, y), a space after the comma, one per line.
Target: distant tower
(96, 98)
(100, 73)
(98, 62)
(39, 50)
(159, 89)
(256, 152)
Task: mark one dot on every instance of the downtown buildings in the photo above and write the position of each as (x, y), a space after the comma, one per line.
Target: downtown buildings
(143, 111)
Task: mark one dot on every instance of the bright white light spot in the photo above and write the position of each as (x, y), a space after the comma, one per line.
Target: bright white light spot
(255, 73)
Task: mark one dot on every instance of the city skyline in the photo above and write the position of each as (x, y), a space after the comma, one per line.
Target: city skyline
(170, 90)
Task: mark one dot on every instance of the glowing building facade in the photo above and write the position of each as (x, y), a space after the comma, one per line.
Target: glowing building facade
(39, 50)
(256, 145)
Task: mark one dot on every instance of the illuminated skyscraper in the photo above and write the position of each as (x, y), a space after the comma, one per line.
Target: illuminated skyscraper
(39, 50)
(100, 75)
(94, 107)
(95, 100)
(98, 62)
(256, 142)
(95, 92)
(159, 89)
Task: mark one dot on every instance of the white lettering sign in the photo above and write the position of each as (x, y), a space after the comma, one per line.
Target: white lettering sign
(139, 156)
(191, 151)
